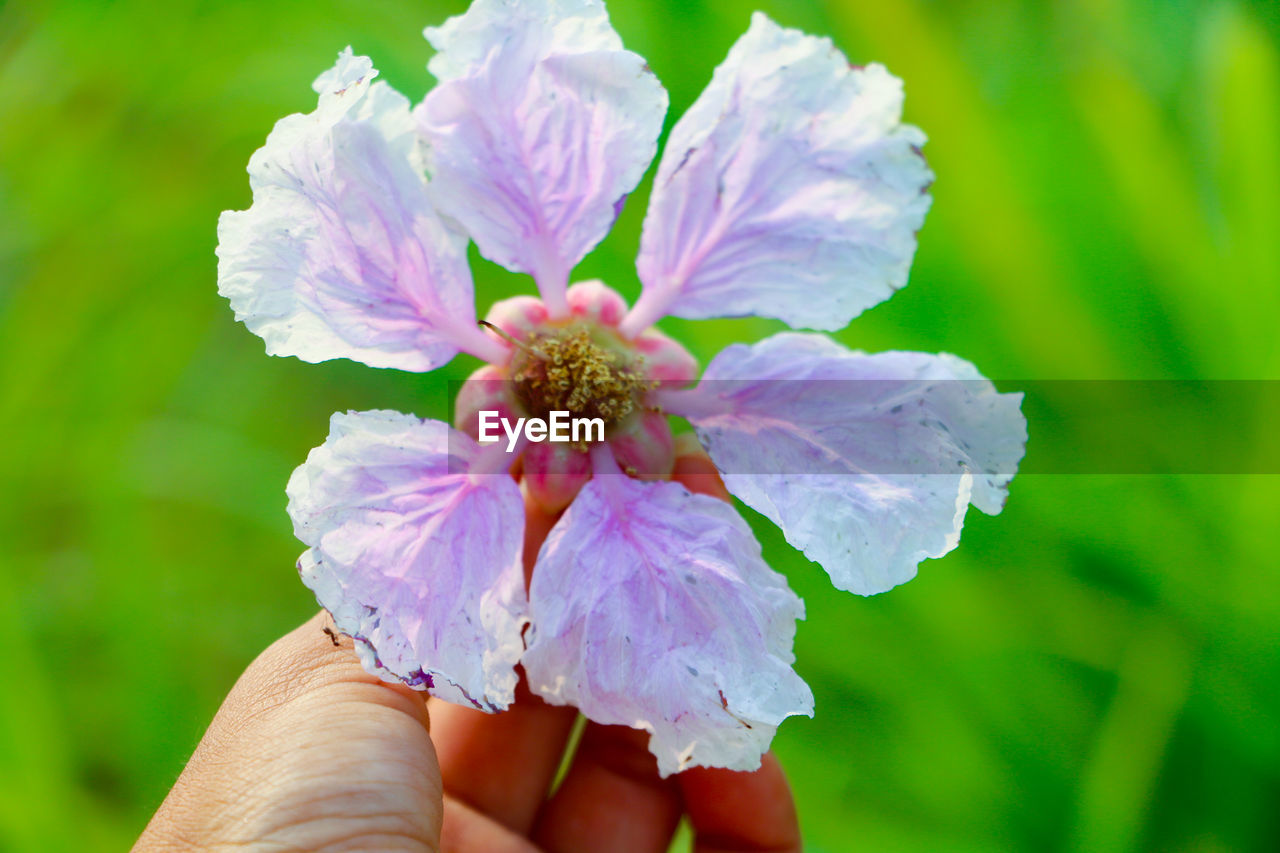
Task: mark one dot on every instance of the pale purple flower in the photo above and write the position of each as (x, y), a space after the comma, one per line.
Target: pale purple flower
(790, 190)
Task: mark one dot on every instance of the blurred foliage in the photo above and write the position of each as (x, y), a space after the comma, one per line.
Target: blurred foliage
(1096, 669)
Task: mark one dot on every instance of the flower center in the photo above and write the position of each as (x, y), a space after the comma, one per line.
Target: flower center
(580, 369)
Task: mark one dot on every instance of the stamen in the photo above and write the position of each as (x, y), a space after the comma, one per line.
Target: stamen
(571, 371)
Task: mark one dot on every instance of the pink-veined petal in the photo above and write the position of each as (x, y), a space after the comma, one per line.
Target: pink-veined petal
(415, 548)
(866, 462)
(790, 189)
(651, 607)
(539, 127)
(341, 254)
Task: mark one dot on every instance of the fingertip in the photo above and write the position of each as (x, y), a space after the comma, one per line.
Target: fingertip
(478, 753)
(741, 811)
(612, 798)
(313, 658)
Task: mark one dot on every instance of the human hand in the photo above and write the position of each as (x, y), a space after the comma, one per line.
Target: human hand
(311, 752)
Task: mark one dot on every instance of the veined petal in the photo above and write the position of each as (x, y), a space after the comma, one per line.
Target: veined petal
(790, 189)
(651, 607)
(866, 462)
(415, 548)
(341, 254)
(539, 127)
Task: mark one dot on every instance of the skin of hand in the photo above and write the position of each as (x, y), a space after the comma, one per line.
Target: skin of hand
(310, 752)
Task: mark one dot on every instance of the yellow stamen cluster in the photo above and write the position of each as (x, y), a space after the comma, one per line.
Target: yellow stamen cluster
(568, 370)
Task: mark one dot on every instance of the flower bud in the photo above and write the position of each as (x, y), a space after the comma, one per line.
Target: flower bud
(488, 389)
(644, 446)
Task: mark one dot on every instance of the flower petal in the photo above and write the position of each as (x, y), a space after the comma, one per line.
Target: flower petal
(866, 462)
(789, 189)
(651, 607)
(341, 254)
(539, 127)
(416, 551)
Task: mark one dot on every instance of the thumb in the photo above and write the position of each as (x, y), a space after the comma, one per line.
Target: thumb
(308, 750)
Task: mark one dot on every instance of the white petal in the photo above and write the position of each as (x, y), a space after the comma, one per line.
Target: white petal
(866, 462)
(540, 126)
(790, 189)
(651, 607)
(341, 254)
(416, 554)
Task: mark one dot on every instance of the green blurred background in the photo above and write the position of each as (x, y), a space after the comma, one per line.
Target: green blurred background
(1096, 669)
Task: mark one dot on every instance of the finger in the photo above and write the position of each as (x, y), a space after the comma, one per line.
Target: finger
(467, 830)
(310, 660)
(501, 764)
(306, 745)
(477, 751)
(732, 811)
(741, 812)
(695, 469)
(611, 799)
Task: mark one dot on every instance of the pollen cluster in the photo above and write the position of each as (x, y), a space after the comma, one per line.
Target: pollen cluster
(568, 370)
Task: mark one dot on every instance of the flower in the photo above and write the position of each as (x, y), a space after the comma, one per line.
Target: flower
(790, 189)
